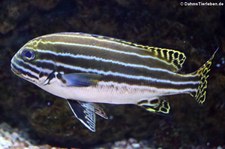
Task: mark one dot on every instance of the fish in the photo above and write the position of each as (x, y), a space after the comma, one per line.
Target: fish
(87, 69)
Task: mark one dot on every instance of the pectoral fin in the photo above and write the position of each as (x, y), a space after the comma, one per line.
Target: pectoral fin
(84, 113)
(80, 79)
(155, 105)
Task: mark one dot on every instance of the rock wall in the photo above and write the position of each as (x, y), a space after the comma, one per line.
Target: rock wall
(197, 31)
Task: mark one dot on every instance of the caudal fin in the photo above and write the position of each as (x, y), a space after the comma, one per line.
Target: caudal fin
(203, 73)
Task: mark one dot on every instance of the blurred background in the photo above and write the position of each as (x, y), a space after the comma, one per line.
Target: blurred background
(43, 119)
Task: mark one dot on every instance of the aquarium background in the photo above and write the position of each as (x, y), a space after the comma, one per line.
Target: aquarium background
(45, 119)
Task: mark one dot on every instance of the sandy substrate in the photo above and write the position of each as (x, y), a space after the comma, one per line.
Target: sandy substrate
(12, 138)
(15, 139)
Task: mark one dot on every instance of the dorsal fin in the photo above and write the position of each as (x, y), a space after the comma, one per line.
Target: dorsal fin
(173, 58)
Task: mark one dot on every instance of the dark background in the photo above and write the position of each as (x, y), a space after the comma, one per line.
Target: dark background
(197, 31)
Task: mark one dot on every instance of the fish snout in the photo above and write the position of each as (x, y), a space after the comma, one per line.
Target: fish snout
(14, 67)
(15, 70)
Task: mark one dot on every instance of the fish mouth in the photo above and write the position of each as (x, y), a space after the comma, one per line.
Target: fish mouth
(15, 71)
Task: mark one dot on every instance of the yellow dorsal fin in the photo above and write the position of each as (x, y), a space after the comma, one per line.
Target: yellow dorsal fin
(171, 57)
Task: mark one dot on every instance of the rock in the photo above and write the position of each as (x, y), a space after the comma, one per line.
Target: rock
(148, 22)
(6, 27)
(11, 138)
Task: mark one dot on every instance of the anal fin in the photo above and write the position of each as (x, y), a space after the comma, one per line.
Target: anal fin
(155, 105)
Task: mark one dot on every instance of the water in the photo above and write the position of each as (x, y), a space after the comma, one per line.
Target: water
(195, 30)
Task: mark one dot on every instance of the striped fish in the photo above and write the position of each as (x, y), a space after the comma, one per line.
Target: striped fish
(86, 69)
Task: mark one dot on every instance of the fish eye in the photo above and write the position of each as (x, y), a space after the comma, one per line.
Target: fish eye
(28, 54)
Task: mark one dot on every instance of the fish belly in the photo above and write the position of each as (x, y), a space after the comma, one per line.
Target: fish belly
(104, 92)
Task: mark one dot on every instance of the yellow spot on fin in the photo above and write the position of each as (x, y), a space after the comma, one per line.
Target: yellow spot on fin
(203, 73)
(155, 106)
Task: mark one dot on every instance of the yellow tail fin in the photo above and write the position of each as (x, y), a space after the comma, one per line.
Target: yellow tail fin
(203, 73)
